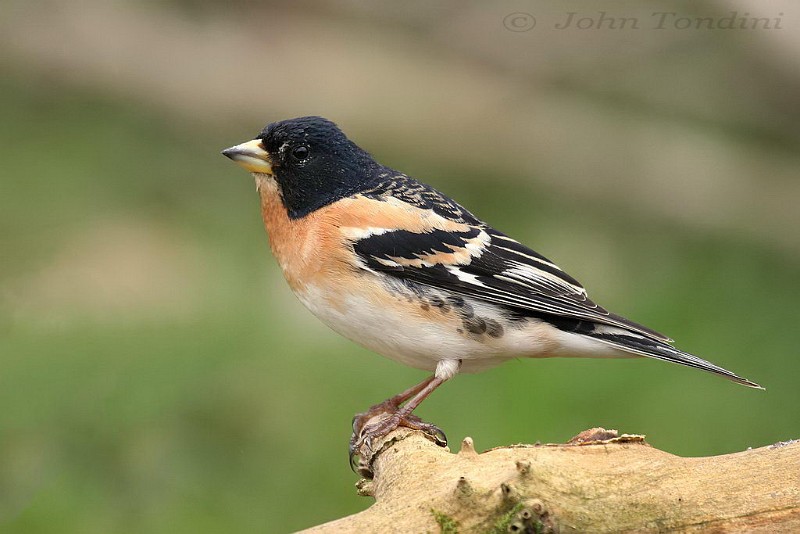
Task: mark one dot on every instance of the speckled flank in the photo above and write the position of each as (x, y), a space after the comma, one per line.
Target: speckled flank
(472, 326)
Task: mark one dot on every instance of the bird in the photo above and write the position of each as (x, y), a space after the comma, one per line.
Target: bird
(405, 271)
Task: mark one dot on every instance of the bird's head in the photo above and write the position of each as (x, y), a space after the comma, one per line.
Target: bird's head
(310, 159)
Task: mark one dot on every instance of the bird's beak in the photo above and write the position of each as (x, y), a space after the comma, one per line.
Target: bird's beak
(250, 155)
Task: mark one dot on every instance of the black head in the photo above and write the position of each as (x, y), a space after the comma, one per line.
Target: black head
(312, 161)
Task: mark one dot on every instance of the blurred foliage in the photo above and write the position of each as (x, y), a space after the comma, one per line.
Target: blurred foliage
(158, 376)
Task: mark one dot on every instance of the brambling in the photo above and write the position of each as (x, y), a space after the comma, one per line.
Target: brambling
(405, 271)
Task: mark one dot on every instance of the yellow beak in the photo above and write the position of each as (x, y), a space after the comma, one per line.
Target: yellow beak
(250, 155)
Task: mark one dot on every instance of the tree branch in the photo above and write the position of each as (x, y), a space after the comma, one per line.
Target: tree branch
(598, 482)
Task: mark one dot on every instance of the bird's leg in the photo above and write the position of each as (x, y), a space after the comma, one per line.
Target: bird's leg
(387, 416)
(390, 405)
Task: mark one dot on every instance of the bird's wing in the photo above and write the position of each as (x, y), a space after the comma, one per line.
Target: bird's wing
(472, 259)
(450, 249)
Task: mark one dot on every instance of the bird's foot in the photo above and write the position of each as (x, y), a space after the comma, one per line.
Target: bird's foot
(377, 422)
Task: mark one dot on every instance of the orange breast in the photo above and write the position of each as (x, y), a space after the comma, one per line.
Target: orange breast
(302, 247)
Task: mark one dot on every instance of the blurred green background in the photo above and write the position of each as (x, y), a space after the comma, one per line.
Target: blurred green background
(157, 375)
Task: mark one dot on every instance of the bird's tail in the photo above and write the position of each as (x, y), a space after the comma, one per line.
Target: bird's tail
(644, 346)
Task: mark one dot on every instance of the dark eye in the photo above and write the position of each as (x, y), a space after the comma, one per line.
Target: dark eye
(300, 153)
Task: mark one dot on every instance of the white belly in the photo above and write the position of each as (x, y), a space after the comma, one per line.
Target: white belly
(399, 329)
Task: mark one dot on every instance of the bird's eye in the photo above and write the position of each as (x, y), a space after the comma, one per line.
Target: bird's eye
(300, 153)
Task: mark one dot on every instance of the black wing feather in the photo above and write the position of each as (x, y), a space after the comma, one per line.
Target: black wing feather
(493, 276)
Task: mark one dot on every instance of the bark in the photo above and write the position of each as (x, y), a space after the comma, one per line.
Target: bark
(598, 482)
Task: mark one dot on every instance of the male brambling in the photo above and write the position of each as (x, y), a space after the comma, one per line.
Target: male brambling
(405, 271)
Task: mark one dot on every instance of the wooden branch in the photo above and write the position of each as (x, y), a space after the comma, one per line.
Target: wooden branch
(598, 482)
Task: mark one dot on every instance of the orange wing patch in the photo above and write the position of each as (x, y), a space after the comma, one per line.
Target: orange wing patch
(365, 218)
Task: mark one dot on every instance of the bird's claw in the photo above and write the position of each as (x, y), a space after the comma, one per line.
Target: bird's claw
(377, 422)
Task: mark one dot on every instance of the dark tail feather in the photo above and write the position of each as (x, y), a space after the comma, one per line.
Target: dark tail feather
(662, 351)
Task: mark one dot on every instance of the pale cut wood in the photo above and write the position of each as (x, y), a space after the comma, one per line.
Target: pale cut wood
(599, 482)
